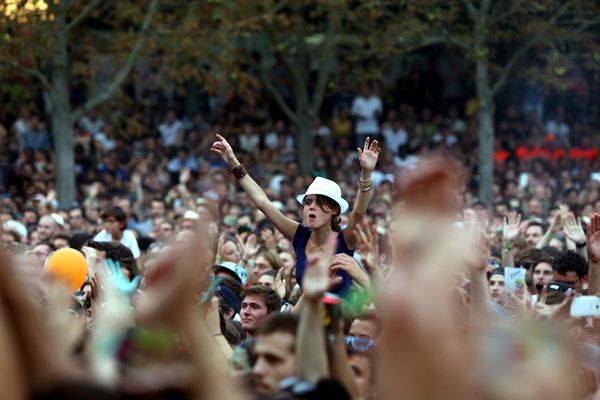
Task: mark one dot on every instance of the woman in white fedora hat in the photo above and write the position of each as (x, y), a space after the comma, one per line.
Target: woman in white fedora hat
(323, 204)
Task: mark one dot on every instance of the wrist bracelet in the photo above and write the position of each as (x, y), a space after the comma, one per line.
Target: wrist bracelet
(581, 246)
(365, 188)
(239, 172)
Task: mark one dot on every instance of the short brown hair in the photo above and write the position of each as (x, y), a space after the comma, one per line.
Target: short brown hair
(279, 322)
(269, 296)
(272, 258)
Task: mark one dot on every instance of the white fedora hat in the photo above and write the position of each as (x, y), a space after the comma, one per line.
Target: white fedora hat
(327, 188)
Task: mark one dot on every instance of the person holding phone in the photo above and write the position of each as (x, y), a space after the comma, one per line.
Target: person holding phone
(322, 206)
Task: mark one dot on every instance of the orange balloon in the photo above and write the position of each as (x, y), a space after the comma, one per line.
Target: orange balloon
(69, 266)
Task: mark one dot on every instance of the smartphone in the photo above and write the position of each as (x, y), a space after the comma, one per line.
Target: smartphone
(560, 287)
(585, 306)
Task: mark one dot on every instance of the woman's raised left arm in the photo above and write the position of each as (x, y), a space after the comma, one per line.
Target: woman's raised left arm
(368, 159)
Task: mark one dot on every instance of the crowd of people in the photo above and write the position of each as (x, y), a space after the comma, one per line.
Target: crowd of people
(217, 269)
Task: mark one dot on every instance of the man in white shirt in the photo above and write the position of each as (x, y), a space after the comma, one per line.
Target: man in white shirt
(558, 126)
(366, 109)
(115, 221)
(171, 129)
(249, 141)
(92, 123)
(395, 136)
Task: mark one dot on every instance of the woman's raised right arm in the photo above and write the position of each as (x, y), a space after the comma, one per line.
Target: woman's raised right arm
(284, 224)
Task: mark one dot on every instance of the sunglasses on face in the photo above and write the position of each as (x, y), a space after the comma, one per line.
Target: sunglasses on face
(359, 344)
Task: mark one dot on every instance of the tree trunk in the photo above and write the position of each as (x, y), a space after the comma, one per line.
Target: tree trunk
(62, 126)
(486, 134)
(305, 144)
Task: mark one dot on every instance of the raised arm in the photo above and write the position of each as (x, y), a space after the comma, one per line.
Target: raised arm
(284, 224)
(311, 353)
(368, 159)
(554, 224)
(510, 232)
(575, 235)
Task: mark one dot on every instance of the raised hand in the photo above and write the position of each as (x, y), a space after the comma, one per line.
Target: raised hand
(573, 230)
(224, 149)
(118, 281)
(593, 239)
(174, 283)
(346, 263)
(476, 258)
(184, 176)
(555, 221)
(251, 248)
(563, 209)
(368, 155)
(368, 246)
(268, 238)
(519, 304)
(280, 284)
(220, 245)
(511, 227)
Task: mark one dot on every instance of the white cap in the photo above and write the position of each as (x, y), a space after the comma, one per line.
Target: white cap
(16, 226)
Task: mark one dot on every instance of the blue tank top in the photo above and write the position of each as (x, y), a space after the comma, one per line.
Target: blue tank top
(299, 243)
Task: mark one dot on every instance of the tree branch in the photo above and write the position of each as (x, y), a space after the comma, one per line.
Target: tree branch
(36, 73)
(82, 15)
(535, 39)
(512, 62)
(582, 27)
(266, 80)
(124, 71)
(325, 59)
(471, 8)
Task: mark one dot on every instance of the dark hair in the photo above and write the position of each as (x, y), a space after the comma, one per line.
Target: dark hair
(265, 224)
(270, 297)
(536, 223)
(117, 213)
(117, 252)
(232, 333)
(497, 271)
(75, 208)
(233, 284)
(324, 201)
(279, 322)
(548, 255)
(64, 236)
(79, 239)
(571, 261)
(528, 258)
